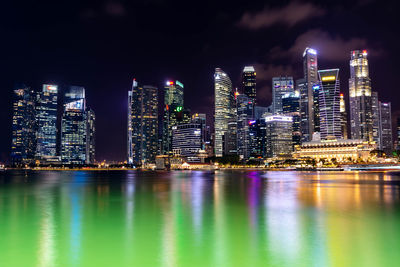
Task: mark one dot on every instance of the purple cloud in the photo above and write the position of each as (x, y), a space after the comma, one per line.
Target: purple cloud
(290, 15)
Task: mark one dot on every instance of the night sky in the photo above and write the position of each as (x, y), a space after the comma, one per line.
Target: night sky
(103, 45)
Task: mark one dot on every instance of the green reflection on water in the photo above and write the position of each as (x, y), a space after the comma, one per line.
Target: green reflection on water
(226, 218)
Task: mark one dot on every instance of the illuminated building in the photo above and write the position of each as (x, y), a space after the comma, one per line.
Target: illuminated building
(224, 108)
(343, 117)
(230, 138)
(249, 82)
(360, 97)
(245, 107)
(201, 118)
(375, 118)
(280, 87)
(90, 136)
(142, 124)
(46, 120)
(339, 149)
(258, 138)
(291, 107)
(73, 127)
(23, 144)
(398, 133)
(329, 104)
(174, 113)
(385, 128)
(187, 141)
(278, 138)
(309, 98)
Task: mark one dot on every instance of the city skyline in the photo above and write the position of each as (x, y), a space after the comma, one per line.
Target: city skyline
(110, 91)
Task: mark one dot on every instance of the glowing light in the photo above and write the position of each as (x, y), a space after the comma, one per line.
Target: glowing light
(251, 122)
(179, 83)
(328, 78)
(178, 109)
(365, 52)
(170, 83)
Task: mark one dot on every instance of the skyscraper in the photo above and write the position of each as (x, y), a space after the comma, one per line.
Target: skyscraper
(343, 117)
(23, 127)
(90, 136)
(280, 87)
(73, 127)
(278, 135)
(142, 124)
(224, 108)
(174, 112)
(249, 82)
(245, 114)
(360, 97)
(375, 119)
(306, 88)
(385, 127)
(291, 107)
(46, 119)
(329, 104)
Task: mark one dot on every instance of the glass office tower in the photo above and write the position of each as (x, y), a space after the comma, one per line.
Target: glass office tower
(291, 107)
(224, 108)
(142, 124)
(249, 82)
(23, 143)
(73, 127)
(329, 104)
(309, 99)
(46, 119)
(385, 127)
(280, 87)
(361, 124)
(174, 112)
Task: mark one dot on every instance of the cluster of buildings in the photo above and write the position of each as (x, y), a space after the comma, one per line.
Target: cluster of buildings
(44, 133)
(307, 118)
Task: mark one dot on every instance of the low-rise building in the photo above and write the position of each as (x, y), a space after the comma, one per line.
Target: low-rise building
(340, 149)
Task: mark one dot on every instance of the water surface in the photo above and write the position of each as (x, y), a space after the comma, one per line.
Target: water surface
(196, 218)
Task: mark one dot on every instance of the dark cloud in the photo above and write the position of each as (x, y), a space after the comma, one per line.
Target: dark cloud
(114, 8)
(330, 47)
(290, 15)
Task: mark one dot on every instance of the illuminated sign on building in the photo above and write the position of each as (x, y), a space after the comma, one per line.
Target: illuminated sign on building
(76, 105)
(328, 78)
(179, 83)
(279, 118)
(178, 109)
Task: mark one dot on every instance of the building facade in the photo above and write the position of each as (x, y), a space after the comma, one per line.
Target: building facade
(309, 98)
(73, 127)
(343, 117)
(90, 136)
(46, 120)
(375, 119)
(174, 112)
(338, 149)
(360, 97)
(249, 82)
(142, 124)
(385, 128)
(278, 136)
(291, 107)
(329, 104)
(224, 108)
(23, 143)
(280, 87)
(187, 141)
(245, 107)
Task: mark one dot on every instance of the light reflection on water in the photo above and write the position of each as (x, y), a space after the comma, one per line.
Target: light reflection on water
(196, 218)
